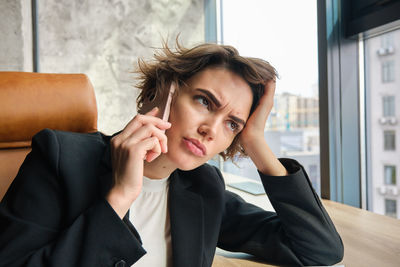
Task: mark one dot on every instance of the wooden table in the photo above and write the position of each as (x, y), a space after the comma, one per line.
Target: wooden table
(369, 239)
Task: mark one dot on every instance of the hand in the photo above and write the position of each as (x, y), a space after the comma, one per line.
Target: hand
(143, 138)
(255, 125)
(252, 137)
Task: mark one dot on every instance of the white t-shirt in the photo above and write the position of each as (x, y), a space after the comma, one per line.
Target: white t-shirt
(150, 216)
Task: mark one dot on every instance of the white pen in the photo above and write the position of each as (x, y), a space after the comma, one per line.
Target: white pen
(167, 108)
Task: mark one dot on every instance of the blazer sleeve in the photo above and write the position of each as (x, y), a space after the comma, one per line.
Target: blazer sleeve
(33, 231)
(299, 232)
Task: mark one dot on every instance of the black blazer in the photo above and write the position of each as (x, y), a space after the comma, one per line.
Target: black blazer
(55, 213)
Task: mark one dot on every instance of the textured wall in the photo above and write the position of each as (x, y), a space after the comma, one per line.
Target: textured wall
(104, 38)
(15, 35)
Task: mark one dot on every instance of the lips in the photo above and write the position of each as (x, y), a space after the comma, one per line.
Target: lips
(195, 147)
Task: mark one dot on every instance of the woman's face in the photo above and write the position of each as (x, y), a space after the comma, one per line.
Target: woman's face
(206, 116)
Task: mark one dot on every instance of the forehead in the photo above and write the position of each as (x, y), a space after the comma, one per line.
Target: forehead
(228, 87)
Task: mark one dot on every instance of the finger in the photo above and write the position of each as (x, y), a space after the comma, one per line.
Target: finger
(152, 148)
(269, 89)
(146, 132)
(261, 113)
(141, 117)
(267, 100)
(141, 120)
(138, 122)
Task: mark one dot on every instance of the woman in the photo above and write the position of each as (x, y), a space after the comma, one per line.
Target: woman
(95, 200)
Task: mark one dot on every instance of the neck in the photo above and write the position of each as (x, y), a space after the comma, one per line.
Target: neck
(159, 168)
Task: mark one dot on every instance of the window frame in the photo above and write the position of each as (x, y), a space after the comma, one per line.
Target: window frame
(343, 126)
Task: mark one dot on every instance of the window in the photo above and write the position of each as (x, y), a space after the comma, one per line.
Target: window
(381, 124)
(262, 31)
(389, 139)
(390, 174)
(388, 106)
(391, 208)
(388, 71)
(313, 174)
(387, 41)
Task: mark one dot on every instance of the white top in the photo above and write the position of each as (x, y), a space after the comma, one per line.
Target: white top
(150, 216)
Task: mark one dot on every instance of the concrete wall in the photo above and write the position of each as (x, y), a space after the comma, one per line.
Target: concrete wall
(15, 35)
(101, 38)
(104, 38)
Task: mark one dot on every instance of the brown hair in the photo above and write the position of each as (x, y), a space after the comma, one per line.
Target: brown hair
(155, 77)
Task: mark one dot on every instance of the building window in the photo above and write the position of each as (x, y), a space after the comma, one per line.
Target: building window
(387, 40)
(390, 174)
(388, 71)
(391, 208)
(389, 139)
(388, 106)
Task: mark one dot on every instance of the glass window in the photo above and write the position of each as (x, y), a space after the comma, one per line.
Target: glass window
(389, 139)
(391, 208)
(262, 31)
(313, 174)
(387, 41)
(390, 174)
(382, 123)
(388, 71)
(388, 106)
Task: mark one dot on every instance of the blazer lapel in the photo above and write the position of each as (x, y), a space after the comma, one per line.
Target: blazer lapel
(186, 215)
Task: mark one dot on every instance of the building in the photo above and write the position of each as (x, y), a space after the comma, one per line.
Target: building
(382, 57)
(299, 144)
(293, 112)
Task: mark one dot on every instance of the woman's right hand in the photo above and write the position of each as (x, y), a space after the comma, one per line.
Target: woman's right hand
(143, 138)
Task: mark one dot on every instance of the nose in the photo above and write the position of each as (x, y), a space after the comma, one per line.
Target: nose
(208, 129)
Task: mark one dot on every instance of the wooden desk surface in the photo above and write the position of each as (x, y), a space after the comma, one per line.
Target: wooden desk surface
(369, 239)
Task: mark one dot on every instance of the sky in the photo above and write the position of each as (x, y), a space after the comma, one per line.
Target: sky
(283, 32)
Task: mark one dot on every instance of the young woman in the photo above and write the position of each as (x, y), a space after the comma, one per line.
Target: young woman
(147, 197)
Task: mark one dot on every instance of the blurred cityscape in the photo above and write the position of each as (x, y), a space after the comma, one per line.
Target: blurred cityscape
(292, 131)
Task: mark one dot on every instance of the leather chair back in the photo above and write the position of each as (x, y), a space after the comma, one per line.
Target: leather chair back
(30, 102)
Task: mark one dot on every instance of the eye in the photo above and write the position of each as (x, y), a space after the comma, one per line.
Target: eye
(233, 126)
(202, 100)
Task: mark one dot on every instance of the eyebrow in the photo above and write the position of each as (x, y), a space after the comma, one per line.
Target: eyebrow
(217, 103)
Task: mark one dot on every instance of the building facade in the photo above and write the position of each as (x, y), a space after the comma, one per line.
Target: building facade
(382, 73)
(293, 112)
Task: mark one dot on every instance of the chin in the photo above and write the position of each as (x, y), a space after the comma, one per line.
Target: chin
(185, 163)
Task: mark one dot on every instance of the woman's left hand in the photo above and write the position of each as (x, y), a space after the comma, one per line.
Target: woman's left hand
(252, 136)
(255, 125)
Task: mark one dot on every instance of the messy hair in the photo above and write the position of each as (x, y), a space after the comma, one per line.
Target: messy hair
(180, 64)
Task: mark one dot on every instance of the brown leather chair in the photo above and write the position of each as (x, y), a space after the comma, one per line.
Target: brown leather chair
(30, 102)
